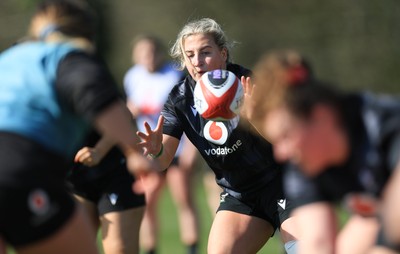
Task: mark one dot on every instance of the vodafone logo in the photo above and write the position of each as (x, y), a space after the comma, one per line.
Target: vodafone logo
(216, 132)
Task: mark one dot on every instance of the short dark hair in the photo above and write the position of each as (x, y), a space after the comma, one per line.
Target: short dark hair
(72, 17)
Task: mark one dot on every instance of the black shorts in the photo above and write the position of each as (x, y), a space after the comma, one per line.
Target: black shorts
(34, 203)
(267, 203)
(110, 187)
(382, 241)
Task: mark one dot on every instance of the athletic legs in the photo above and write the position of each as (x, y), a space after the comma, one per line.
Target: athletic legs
(234, 233)
(181, 187)
(358, 235)
(153, 184)
(120, 231)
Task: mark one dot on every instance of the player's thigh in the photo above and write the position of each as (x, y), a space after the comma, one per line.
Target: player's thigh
(120, 230)
(358, 235)
(233, 232)
(188, 155)
(91, 210)
(179, 182)
(288, 230)
(3, 247)
(76, 230)
(391, 207)
(153, 184)
(381, 250)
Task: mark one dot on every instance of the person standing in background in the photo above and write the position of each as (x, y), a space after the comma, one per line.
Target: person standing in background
(147, 85)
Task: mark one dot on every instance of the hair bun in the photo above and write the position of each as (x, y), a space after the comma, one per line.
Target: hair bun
(297, 75)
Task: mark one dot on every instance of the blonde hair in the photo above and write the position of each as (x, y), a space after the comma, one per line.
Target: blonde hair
(201, 26)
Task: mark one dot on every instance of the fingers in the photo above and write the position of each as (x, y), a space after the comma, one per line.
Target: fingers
(147, 127)
(138, 186)
(86, 156)
(142, 135)
(247, 86)
(81, 154)
(143, 146)
(160, 122)
(243, 80)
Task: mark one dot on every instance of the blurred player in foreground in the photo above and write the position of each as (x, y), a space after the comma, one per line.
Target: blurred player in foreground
(52, 87)
(251, 180)
(342, 147)
(101, 182)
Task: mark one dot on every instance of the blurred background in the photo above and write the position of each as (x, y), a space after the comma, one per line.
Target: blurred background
(354, 44)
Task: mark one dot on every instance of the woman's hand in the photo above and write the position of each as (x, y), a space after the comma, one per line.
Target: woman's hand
(88, 156)
(152, 140)
(249, 101)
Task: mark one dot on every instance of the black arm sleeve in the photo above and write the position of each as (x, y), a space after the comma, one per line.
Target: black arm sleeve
(172, 126)
(85, 85)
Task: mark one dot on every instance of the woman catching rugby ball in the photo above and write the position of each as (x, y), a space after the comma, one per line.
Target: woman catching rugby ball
(249, 211)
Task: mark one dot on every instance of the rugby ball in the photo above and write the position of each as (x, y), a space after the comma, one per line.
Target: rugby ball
(218, 95)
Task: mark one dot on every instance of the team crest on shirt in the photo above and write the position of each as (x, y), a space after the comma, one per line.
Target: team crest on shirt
(38, 202)
(41, 207)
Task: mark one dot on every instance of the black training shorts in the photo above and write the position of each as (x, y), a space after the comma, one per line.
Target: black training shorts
(267, 203)
(110, 187)
(34, 203)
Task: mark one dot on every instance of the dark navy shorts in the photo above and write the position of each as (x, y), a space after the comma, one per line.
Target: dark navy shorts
(383, 242)
(110, 188)
(267, 203)
(34, 202)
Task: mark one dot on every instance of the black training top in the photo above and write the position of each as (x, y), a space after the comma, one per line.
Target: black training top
(373, 125)
(241, 159)
(84, 84)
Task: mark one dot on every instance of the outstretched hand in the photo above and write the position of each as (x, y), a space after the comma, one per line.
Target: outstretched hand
(152, 139)
(249, 104)
(151, 144)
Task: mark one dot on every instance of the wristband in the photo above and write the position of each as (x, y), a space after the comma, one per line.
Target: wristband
(154, 156)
